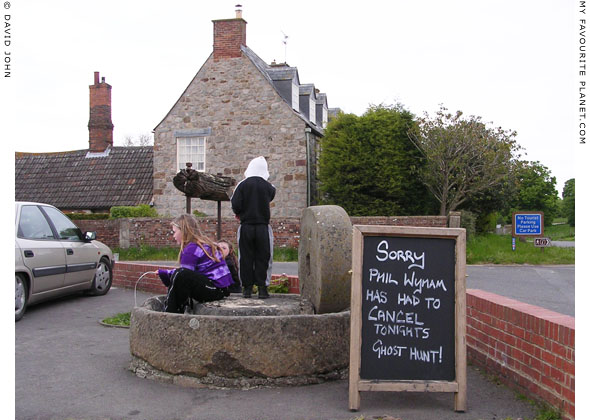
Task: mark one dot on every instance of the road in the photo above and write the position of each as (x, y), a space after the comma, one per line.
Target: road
(550, 287)
(68, 366)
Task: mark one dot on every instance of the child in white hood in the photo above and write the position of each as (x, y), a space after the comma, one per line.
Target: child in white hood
(251, 204)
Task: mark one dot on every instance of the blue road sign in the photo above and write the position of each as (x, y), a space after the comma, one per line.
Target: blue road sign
(527, 224)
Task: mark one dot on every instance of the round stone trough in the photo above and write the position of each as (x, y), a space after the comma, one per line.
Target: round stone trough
(239, 342)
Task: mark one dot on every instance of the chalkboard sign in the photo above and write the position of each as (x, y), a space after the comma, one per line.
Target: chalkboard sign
(408, 311)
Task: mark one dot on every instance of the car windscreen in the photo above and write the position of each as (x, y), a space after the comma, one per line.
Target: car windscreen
(66, 229)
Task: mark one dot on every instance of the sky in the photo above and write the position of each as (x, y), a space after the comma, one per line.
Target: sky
(509, 62)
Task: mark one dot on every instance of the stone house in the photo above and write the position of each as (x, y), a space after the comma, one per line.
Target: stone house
(88, 180)
(236, 108)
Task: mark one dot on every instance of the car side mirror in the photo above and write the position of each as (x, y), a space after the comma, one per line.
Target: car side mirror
(90, 236)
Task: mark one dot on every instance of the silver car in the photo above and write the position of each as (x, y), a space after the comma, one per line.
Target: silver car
(54, 258)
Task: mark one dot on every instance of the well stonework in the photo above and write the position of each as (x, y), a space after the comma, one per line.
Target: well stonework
(238, 350)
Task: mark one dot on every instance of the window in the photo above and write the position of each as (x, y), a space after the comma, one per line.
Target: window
(33, 225)
(312, 108)
(191, 149)
(294, 95)
(66, 229)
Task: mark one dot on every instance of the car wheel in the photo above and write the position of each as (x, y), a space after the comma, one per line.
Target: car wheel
(21, 296)
(103, 278)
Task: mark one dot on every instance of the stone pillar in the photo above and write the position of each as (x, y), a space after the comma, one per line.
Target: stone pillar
(124, 233)
(454, 219)
(325, 258)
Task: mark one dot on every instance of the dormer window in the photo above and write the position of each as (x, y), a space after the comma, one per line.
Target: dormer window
(294, 94)
(312, 108)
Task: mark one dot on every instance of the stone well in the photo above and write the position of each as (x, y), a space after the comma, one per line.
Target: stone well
(237, 342)
(240, 342)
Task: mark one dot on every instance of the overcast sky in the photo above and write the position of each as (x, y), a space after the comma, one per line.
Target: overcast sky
(510, 62)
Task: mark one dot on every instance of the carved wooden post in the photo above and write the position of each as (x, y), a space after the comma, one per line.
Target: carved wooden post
(204, 186)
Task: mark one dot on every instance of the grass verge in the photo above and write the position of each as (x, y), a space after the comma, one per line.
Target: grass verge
(122, 319)
(170, 253)
(497, 249)
(481, 249)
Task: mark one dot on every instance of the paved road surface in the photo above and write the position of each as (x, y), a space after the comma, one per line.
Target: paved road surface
(550, 287)
(68, 366)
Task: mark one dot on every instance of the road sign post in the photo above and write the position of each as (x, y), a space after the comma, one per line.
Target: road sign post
(528, 223)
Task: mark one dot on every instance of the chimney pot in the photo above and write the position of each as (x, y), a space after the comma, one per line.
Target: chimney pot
(96, 77)
(102, 80)
(238, 11)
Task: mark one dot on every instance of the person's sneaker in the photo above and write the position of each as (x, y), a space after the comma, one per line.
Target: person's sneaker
(263, 292)
(247, 293)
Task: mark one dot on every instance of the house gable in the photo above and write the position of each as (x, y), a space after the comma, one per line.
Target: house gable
(246, 117)
(235, 109)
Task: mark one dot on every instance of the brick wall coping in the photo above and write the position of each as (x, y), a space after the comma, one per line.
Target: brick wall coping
(546, 314)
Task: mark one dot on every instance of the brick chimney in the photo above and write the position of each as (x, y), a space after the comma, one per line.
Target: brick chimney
(100, 126)
(228, 36)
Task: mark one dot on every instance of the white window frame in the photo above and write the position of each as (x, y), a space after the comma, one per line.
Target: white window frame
(294, 95)
(312, 103)
(192, 157)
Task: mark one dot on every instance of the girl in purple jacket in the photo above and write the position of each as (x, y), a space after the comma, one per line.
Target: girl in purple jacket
(203, 274)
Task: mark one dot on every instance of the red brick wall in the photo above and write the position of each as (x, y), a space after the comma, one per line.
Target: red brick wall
(423, 221)
(127, 275)
(530, 349)
(107, 231)
(156, 231)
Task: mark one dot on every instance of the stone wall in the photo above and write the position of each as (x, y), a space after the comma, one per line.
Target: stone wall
(244, 117)
(127, 275)
(157, 231)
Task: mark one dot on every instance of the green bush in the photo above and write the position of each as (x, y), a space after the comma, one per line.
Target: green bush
(143, 210)
(198, 213)
(88, 216)
(486, 222)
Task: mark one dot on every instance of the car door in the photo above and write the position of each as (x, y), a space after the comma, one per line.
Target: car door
(42, 253)
(81, 255)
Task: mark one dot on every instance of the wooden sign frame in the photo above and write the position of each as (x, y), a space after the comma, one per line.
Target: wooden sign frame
(356, 383)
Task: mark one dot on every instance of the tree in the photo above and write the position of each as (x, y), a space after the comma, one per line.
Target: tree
(463, 156)
(569, 201)
(368, 164)
(536, 190)
(142, 139)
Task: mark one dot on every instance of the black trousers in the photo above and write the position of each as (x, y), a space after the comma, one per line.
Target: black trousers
(187, 284)
(254, 243)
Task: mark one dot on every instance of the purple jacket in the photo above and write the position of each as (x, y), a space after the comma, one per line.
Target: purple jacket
(194, 258)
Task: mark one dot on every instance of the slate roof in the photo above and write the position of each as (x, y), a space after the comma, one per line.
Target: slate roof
(307, 89)
(81, 180)
(283, 73)
(280, 73)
